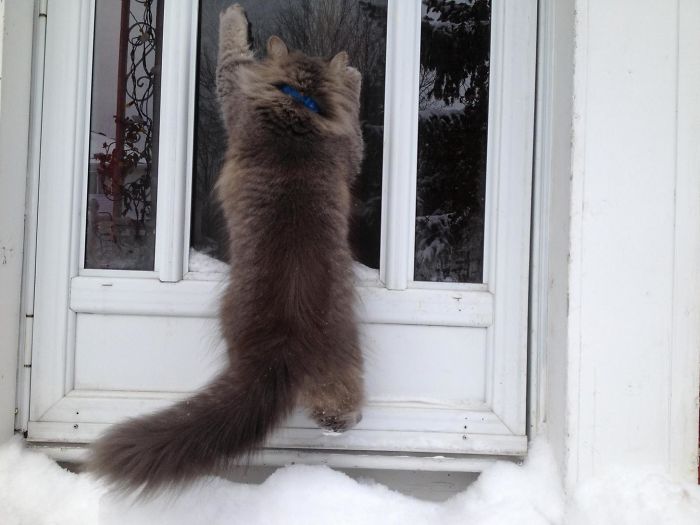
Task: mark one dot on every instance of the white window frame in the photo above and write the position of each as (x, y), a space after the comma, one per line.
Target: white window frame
(63, 287)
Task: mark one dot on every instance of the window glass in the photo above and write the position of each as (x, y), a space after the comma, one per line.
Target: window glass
(121, 195)
(452, 134)
(319, 28)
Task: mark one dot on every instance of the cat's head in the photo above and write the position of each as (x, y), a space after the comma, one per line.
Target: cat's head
(303, 94)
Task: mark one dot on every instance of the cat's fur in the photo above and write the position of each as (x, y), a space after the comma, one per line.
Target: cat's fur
(287, 313)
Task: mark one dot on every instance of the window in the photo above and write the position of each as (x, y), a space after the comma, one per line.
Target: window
(125, 316)
(319, 27)
(453, 102)
(122, 174)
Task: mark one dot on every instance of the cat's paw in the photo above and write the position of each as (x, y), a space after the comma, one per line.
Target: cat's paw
(233, 27)
(334, 423)
(233, 14)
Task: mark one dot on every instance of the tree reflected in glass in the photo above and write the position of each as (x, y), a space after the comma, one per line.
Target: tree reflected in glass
(452, 136)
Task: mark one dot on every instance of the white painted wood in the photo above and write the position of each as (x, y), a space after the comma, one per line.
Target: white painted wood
(509, 182)
(107, 295)
(188, 351)
(551, 222)
(105, 406)
(199, 298)
(111, 274)
(191, 110)
(118, 352)
(434, 351)
(397, 421)
(2, 36)
(31, 213)
(685, 339)
(401, 414)
(81, 153)
(387, 425)
(400, 148)
(449, 286)
(15, 68)
(633, 286)
(82, 141)
(337, 460)
(311, 438)
(550, 228)
(176, 135)
(621, 282)
(540, 234)
(67, 41)
(442, 364)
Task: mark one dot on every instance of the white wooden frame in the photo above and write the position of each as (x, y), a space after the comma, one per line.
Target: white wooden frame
(15, 77)
(608, 392)
(64, 289)
(636, 376)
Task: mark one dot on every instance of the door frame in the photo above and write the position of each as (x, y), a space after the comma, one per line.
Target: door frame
(18, 180)
(175, 266)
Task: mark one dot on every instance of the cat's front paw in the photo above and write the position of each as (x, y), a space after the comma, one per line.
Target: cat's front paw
(233, 27)
(234, 12)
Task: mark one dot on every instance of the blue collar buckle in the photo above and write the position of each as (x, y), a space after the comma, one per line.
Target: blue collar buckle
(308, 102)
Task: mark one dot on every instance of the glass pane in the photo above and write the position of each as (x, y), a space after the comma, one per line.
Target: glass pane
(121, 207)
(452, 134)
(319, 28)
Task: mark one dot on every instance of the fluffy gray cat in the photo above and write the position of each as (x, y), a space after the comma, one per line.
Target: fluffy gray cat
(294, 148)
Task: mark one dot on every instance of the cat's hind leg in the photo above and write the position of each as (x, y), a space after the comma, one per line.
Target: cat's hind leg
(335, 408)
(334, 393)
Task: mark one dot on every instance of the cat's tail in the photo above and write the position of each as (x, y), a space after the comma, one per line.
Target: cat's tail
(228, 418)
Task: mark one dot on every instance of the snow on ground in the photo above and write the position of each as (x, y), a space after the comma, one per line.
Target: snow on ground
(36, 491)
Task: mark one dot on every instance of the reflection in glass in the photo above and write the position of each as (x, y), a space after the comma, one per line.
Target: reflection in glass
(319, 28)
(452, 135)
(120, 232)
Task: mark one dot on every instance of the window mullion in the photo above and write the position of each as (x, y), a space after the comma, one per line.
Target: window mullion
(176, 132)
(401, 123)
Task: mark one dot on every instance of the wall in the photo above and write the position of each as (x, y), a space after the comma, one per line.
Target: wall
(2, 34)
(14, 124)
(623, 360)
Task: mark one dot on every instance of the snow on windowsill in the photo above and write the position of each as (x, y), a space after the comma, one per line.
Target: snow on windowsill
(202, 263)
(35, 490)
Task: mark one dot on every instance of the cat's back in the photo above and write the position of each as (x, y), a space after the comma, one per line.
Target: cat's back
(294, 202)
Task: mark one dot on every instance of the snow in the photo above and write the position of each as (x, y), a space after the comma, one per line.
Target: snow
(635, 497)
(449, 112)
(35, 490)
(201, 262)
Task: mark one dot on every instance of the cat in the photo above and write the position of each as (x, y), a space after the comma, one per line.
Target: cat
(294, 149)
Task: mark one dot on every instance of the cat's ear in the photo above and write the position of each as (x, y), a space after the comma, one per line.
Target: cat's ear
(339, 62)
(276, 48)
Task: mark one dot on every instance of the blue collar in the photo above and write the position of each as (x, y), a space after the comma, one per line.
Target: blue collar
(302, 99)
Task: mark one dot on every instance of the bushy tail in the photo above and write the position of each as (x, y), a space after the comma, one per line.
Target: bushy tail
(229, 418)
